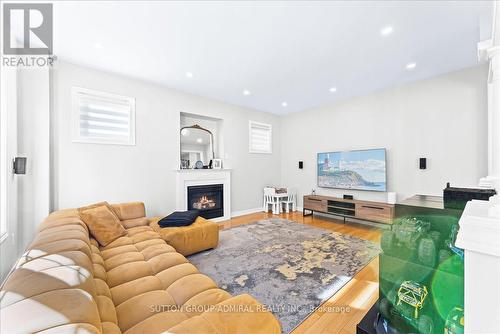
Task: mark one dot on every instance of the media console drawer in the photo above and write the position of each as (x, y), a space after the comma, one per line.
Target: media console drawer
(374, 212)
(315, 204)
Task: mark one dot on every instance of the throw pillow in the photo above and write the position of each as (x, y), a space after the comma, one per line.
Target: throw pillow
(179, 218)
(95, 205)
(103, 224)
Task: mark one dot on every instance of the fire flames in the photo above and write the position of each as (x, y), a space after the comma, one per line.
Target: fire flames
(204, 203)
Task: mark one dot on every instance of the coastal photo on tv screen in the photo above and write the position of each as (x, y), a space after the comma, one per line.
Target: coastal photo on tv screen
(359, 170)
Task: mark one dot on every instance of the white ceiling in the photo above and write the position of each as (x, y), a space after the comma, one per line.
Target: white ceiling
(279, 51)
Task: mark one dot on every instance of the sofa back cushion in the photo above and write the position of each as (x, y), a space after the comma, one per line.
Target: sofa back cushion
(130, 210)
(52, 285)
(103, 223)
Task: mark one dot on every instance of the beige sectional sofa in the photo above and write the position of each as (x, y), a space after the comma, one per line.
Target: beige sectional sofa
(66, 283)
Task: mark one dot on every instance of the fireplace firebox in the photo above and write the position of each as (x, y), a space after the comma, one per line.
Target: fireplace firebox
(209, 199)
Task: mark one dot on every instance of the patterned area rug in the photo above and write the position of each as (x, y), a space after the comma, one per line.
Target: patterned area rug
(291, 268)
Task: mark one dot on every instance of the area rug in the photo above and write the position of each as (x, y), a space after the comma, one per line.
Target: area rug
(289, 267)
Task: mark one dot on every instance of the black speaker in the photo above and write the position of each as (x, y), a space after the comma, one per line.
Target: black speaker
(301, 164)
(423, 163)
(348, 197)
(19, 165)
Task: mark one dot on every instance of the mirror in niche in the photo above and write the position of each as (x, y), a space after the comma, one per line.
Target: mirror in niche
(196, 147)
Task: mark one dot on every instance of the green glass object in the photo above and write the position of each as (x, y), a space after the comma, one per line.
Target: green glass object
(421, 269)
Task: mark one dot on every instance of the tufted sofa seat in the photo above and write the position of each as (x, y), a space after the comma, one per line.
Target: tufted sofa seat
(66, 283)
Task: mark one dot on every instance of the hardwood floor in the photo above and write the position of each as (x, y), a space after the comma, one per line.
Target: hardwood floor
(342, 312)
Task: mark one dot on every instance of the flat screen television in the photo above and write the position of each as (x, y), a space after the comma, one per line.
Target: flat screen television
(356, 170)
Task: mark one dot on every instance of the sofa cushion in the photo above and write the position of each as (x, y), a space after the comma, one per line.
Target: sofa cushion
(132, 210)
(201, 235)
(160, 323)
(103, 224)
(20, 286)
(108, 328)
(49, 309)
(134, 222)
(228, 317)
(140, 307)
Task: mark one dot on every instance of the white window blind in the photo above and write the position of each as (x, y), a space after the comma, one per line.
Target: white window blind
(103, 118)
(260, 137)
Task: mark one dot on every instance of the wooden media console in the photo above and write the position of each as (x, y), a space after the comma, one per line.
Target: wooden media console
(377, 212)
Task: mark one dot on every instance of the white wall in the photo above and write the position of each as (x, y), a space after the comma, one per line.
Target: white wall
(26, 198)
(8, 181)
(86, 173)
(443, 119)
(33, 143)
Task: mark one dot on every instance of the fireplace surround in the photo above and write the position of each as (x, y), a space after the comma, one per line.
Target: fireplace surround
(208, 199)
(204, 177)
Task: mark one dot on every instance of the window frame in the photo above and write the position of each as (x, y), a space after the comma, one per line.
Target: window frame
(260, 124)
(78, 138)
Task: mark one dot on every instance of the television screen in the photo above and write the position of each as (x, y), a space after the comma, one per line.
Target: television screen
(358, 170)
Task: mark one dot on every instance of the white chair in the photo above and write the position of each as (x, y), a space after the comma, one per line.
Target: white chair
(291, 200)
(270, 199)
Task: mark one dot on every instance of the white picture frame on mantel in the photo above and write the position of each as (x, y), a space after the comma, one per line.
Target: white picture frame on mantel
(217, 163)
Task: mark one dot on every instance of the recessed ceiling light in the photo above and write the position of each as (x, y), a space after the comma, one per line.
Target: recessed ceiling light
(385, 31)
(98, 46)
(246, 92)
(199, 140)
(333, 89)
(189, 74)
(411, 66)
(284, 104)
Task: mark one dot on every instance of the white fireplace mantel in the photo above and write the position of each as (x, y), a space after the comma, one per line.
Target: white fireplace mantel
(198, 177)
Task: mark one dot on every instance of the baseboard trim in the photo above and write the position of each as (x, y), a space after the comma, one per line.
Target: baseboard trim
(245, 212)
